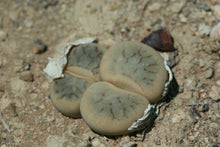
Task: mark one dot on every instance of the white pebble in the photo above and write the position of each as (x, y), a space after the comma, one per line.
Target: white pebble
(215, 33)
(96, 142)
(215, 93)
(218, 82)
(204, 29)
(3, 35)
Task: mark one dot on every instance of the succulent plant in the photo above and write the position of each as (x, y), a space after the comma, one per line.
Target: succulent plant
(66, 94)
(81, 71)
(110, 89)
(110, 110)
(135, 67)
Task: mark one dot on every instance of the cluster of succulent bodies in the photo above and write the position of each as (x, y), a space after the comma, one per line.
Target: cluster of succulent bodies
(110, 88)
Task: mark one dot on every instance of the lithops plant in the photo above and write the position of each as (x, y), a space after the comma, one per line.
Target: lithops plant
(138, 76)
(85, 59)
(81, 71)
(135, 67)
(110, 110)
(66, 94)
(115, 91)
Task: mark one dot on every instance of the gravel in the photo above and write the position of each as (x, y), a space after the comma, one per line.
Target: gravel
(205, 108)
(209, 73)
(190, 118)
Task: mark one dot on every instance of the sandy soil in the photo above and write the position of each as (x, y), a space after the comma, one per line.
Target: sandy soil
(28, 117)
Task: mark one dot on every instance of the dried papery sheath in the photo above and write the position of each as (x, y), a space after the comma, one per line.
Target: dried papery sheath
(145, 120)
(54, 68)
(170, 57)
(167, 84)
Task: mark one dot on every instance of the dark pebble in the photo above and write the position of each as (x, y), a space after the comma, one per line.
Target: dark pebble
(25, 67)
(133, 145)
(39, 47)
(75, 133)
(215, 144)
(160, 40)
(205, 108)
(29, 77)
(205, 7)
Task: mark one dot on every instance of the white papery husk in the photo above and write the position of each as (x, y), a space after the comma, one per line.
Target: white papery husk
(55, 67)
(152, 111)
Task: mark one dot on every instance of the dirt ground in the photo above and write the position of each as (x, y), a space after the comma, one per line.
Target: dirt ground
(28, 117)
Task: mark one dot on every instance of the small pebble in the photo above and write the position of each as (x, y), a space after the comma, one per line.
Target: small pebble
(181, 89)
(28, 23)
(161, 40)
(215, 107)
(218, 82)
(201, 63)
(45, 85)
(205, 108)
(195, 111)
(157, 141)
(181, 141)
(25, 67)
(215, 144)
(183, 19)
(204, 29)
(3, 35)
(125, 30)
(28, 77)
(39, 47)
(41, 106)
(209, 73)
(96, 142)
(215, 33)
(218, 140)
(215, 93)
(125, 139)
(75, 133)
(215, 10)
(133, 145)
(205, 7)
